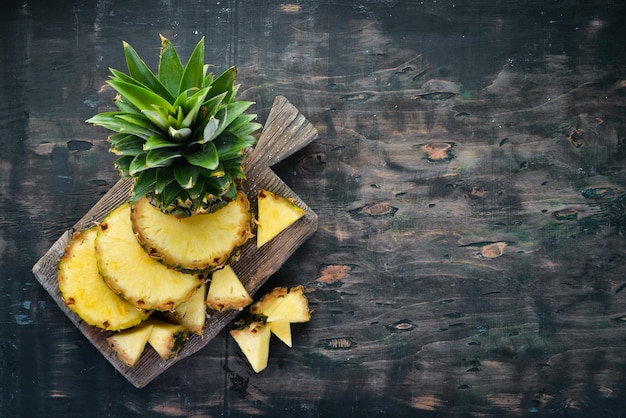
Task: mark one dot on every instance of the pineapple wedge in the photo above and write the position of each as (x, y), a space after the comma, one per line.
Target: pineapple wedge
(283, 305)
(85, 291)
(226, 291)
(130, 343)
(275, 213)
(282, 330)
(132, 274)
(253, 338)
(166, 338)
(198, 243)
(192, 313)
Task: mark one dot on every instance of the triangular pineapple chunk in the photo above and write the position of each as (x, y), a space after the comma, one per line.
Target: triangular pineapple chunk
(132, 274)
(226, 291)
(282, 305)
(253, 339)
(192, 313)
(275, 213)
(85, 291)
(129, 344)
(282, 330)
(167, 339)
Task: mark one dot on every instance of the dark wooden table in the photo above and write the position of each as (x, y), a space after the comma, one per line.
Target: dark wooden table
(470, 183)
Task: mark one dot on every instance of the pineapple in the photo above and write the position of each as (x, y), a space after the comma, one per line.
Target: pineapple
(182, 136)
(276, 213)
(132, 274)
(282, 330)
(272, 314)
(226, 291)
(85, 291)
(253, 338)
(283, 305)
(180, 133)
(197, 243)
(192, 313)
(266, 303)
(292, 307)
(166, 338)
(130, 343)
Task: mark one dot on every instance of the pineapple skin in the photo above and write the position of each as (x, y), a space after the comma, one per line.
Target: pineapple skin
(85, 291)
(200, 243)
(132, 274)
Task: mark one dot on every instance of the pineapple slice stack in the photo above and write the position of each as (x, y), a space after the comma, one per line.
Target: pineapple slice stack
(151, 269)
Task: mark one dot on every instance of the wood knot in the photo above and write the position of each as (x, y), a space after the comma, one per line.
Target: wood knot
(438, 151)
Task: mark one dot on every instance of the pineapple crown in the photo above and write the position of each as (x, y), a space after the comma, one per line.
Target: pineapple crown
(180, 133)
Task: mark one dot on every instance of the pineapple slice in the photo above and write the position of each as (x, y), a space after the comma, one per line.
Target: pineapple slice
(284, 305)
(192, 313)
(282, 330)
(226, 291)
(276, 213)
(132, 274)
(130, 343)
(85, 291)
(166, 338)
(253, 338)
(198, 243)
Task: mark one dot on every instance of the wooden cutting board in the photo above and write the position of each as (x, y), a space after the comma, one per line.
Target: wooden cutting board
(285, 132)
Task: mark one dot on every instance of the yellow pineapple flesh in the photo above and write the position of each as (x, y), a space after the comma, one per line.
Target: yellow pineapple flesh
(267, 302)
(85, 291)
(166, 338)
(253, 338)
(130, 343)
(284, 305)
(275, 214)
(226, 291)
(282, 330)
(202, 242)
(192, 313)
(132, 274)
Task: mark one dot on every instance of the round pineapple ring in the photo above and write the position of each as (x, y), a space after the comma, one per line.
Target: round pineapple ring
(132, 274)
(85, 291)
(198, 243)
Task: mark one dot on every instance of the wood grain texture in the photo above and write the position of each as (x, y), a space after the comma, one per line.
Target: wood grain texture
(285, 131)
(469, 181)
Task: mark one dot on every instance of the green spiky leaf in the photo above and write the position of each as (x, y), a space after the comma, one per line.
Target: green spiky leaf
(141, 97)
(158, 141)
(206, 157)
(144, 184)
(180, 133)
(186, 175)
(193, 74)
(170, 67)
(127, 145)
(139, 71)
